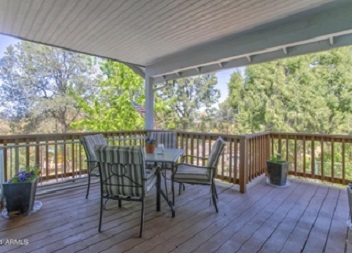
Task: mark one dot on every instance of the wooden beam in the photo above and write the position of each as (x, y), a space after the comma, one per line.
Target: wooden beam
(343, 40)
(284, 33)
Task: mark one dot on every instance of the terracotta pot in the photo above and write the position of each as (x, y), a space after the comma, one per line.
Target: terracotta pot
(149, 148)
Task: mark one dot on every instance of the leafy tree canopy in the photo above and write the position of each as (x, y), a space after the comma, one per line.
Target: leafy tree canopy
(310, 93)
(111, 107)
(183, 99)
(35, 81)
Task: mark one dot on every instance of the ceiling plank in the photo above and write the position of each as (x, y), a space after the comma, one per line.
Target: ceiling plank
(330, 23)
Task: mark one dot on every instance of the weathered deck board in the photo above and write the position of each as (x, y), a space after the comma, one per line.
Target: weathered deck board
(304, 217)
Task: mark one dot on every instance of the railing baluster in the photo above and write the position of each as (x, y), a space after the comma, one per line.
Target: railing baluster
(295, 156)
(17, 159)
(312, 157)
(46, 159)
(203, 148)
(322, 158)
(73, 158)
(64, 147)
(230, 157)
(332, 161)
(5, 161)
(343, 162)
(56, 160)
(286, 147)
(304, 156)
(236, 161)
(27, 153)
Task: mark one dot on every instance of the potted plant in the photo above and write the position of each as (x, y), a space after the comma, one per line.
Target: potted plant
(150, 145)
(19, 191)
(277, 170)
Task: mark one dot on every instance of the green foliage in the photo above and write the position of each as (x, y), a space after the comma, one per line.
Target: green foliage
(26, 174)
(310, 93)
(225, 117)
(35, 82)
(276, 159)
(111, 107)
(179, 102)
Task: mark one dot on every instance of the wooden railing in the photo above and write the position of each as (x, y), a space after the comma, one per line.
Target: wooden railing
(243, 158)
(316, 156)
(61, 156)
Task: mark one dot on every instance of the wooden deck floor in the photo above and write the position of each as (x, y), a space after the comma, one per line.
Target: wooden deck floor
(303, 217)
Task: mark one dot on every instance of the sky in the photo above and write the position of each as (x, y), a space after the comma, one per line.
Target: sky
(223, 75)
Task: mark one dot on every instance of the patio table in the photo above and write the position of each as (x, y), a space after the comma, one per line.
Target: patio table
(169, 156)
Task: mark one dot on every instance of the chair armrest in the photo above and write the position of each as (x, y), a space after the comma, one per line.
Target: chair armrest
(193, 156)
(189, 164)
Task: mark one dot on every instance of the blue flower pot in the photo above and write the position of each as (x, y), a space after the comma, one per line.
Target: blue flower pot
(19, 197)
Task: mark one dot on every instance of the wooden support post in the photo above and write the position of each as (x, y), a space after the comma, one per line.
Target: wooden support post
(243, 165)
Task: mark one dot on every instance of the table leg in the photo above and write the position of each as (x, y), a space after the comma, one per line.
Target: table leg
(158, 190)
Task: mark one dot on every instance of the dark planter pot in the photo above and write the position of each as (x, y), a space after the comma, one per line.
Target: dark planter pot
(277, 172)
(349, 195)
(19, 197)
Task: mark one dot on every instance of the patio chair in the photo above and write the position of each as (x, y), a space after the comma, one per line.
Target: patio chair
(169, 139)
(187, 173)
(89, 142)
(123, 176)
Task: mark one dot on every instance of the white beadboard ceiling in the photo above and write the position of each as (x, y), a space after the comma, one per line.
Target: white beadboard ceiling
(172, 38)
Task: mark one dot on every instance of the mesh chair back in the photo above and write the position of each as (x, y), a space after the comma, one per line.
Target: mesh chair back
(169, 139)
(122, 171)
(89, 142)
(215, 152)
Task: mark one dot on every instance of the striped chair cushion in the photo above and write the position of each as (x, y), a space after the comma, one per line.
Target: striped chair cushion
(188, 173)
(89, 142)
(169, 139)
(123, 171)
(215, 152)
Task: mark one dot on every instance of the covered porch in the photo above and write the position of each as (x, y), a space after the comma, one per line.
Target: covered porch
(165, 40)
